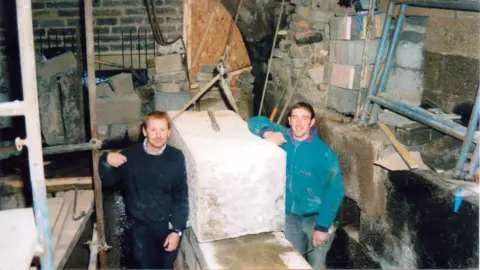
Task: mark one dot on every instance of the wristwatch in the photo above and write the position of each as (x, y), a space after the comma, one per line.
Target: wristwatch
(178, 232)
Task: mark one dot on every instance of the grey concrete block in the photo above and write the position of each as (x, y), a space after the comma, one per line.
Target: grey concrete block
(403, 79)
(342, 100)
(392, 119)
(349, 52)
(173, 76)
(410, 55)
(104, 90)
(167, 87)
(168, 63)
(171, 101)
(122, 84)
(124, 109)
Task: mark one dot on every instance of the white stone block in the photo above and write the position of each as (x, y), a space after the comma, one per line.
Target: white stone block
(236, 179)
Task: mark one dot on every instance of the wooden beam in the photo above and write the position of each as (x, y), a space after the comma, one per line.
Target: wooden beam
(53, 184)
(412, 164)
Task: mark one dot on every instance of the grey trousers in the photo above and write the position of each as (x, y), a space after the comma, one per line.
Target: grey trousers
(299, 230)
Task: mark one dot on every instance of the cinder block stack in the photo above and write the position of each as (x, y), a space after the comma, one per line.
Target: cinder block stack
(343, 73)
(306, 43)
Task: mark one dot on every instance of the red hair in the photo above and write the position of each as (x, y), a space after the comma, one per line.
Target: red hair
(157, 115)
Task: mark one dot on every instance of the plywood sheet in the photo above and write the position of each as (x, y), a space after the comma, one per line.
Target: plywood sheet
(215, 40)
(18, 238)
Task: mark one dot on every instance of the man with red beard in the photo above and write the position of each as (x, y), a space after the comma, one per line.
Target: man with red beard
(153, 179)
(314, 188)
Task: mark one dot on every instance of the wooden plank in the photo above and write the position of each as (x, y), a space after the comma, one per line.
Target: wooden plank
(71, 230)
(400, 148)
(216, 38)
(53, 184)
(18, 238)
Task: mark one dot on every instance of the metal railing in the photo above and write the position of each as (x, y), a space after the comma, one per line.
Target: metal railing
(447, 126)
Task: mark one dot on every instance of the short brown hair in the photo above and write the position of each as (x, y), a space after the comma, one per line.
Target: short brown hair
(157, 115)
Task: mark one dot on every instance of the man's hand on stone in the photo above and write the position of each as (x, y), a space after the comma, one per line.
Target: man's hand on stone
(274, 137)
(319, 237)
(171, 243)
(116, 159)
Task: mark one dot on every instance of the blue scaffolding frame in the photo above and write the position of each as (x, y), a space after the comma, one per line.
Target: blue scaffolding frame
(467, 135)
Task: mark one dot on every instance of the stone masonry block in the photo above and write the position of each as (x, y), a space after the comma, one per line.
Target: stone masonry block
(173, 76)
(277, 53)
(308, 37)
(318, 25)
(299, 62)
(350, 52)
(168, 63)
(122, 84)
(119, 109)
(320, 16)
(299, 26)
(342, 100)
(453, 36)
(303, 11)
(349, 77)
(357, 150)
(228, 172)
(104, 90)
(167, 87)
(316, 74)
(58, 64)
(284, 45)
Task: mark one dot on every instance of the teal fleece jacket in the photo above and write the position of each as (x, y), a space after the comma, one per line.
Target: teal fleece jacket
(314, 179)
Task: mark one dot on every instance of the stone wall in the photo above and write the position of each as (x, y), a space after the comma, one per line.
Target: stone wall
(111, 18)
(452, 61)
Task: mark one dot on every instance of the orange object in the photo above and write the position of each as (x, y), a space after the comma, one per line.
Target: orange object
(273, 114)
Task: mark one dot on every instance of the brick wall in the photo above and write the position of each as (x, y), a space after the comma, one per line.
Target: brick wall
(52, 19)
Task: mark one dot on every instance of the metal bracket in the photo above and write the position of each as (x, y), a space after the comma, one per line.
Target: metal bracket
(82, 214)
(20, 143)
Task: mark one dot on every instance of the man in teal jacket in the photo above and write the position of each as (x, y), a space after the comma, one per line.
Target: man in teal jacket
(314, 188)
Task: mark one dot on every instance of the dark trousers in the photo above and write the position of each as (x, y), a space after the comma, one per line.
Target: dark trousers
(147, 246)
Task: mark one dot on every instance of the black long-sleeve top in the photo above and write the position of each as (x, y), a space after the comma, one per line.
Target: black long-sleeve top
(154, 186)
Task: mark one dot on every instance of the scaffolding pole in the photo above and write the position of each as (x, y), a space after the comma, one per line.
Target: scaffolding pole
(94, 131)
(32, 123)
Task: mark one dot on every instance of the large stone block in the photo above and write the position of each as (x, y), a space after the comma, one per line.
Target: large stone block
(236, 179)
(72, 108)
(51, 119)
(357, 150)
(453, 36)
(124, 109)
(58, 64)
(259, 251)
(452, 88)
